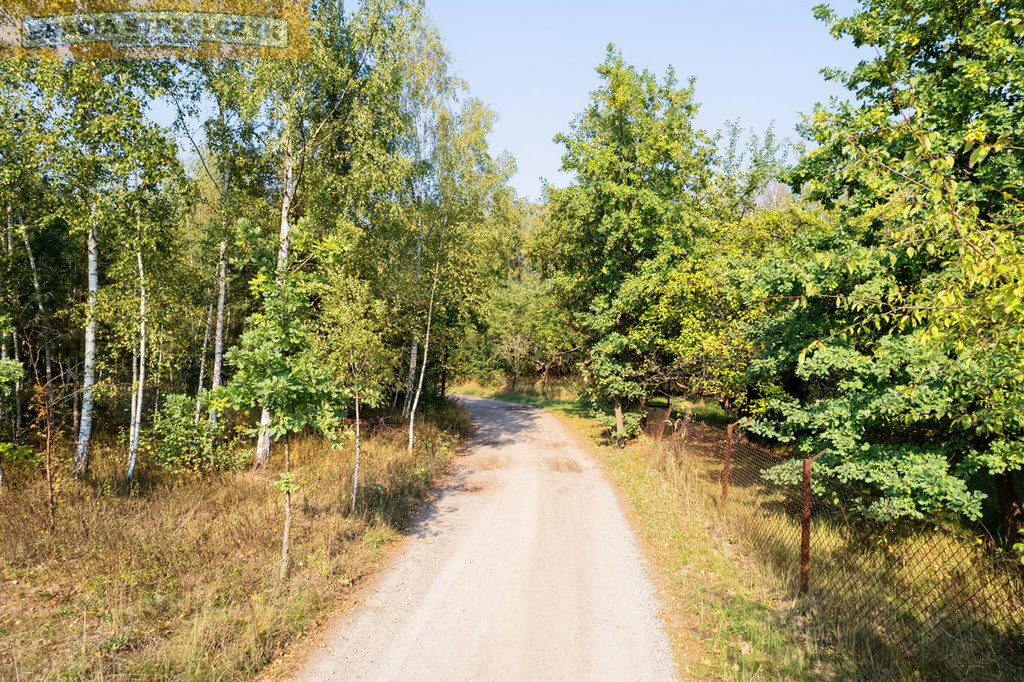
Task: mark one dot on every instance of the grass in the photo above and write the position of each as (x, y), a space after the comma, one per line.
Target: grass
(727, 615)
(902, 601)
(709, 413)
(177, 580)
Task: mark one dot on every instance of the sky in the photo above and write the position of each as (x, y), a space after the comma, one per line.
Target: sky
(532, 62)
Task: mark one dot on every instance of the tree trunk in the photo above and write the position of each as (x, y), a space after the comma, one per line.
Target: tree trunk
(89, 372)
(410, 385)
(423, 369)
(17, 389)
(74, 400)
(283, 244)
(355, 476)
(202, 363)
(51, 497)
(444, 373)
(262, 458)
(134, 396)
(1009, 507)
(3, 356)
(620, 422)
(133, 450)
(218, 342)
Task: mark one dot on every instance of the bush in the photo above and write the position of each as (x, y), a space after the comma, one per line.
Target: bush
(632, 421)
(178, 442)
(17, 459)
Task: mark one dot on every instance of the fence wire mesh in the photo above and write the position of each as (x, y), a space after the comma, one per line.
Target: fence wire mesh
(923, 592)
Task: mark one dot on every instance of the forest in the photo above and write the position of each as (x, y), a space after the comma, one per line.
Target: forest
(213, 268)
(333, 219)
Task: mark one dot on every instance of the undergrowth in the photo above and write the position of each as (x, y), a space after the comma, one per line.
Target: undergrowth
(176, 578)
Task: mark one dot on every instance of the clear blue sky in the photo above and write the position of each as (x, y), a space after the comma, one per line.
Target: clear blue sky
(533, 61)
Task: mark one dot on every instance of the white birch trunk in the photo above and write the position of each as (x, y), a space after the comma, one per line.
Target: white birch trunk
(410, 384)
(133, 453)
(133, 403)
(263, 442)
(17, 388)
(89, 369)
(202, 363)
(423, 369)
(218, 342)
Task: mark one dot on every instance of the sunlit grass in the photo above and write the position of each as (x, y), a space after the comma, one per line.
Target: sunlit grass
(178, 579)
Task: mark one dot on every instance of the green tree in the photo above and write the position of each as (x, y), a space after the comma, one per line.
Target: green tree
(909, 316)
(641, 169)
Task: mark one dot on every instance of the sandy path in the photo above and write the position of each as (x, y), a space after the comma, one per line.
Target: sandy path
(523, 569)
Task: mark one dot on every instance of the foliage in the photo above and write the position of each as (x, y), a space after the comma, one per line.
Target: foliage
(875, 314)
(641, 169)
(909, 317)
(14, 456)
(523, 332)
(632, 420)
(276, 367)
(179, 441)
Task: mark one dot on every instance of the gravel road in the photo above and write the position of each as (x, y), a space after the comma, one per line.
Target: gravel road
(524, 568)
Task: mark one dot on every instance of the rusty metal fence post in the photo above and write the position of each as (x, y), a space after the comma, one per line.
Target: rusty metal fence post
(805, 525)
(727, 462)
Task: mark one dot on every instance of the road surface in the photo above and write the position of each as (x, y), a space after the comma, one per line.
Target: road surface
(524, 568)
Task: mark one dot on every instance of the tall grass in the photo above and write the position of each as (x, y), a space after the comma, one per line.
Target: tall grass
(925, 601)
(177, 578)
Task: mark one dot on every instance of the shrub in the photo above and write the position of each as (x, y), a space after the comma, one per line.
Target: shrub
(633, 422)
(17, 459)
(178, 442)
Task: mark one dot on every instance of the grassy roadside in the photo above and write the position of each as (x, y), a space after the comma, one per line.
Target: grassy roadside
(178, 580)
(728, 618)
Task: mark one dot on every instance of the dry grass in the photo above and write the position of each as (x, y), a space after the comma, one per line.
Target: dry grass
(905, 601)
(177, 580)
(728, 617)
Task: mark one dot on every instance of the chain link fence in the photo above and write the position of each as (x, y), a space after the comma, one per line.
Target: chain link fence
(944, 601)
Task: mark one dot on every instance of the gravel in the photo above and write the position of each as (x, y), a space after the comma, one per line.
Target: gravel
(524, 568)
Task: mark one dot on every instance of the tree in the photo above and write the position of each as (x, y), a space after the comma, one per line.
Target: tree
(86, 122)
(349, 339)
(641, 169)
(911, 312)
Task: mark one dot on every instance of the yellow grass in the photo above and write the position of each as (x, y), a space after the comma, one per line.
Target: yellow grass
(177, 581)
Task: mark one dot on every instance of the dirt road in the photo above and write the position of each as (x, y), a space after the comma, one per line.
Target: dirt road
(523, 569)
